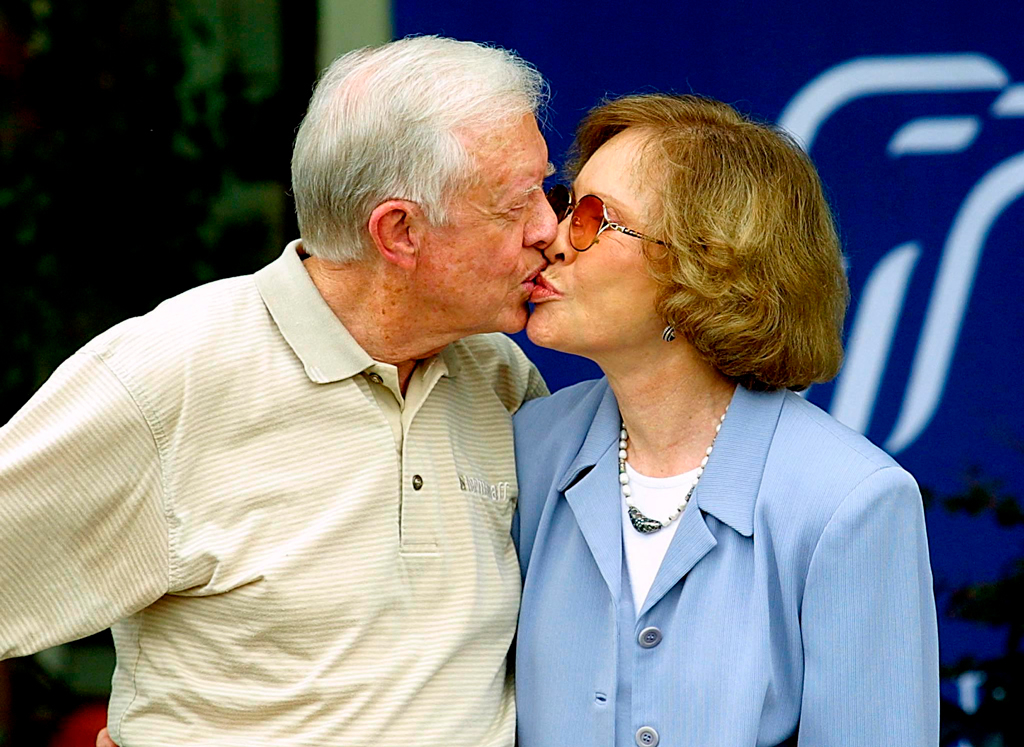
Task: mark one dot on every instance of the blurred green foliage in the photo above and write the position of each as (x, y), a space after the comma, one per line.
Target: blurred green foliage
(997, 720)
(124, 178)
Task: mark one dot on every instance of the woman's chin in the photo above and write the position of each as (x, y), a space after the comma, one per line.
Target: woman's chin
(542, 332)
(535, 330)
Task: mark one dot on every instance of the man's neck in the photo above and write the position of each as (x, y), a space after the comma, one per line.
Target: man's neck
(373, 306)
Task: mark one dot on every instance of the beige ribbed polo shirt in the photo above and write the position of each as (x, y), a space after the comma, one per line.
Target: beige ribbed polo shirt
(289, 551)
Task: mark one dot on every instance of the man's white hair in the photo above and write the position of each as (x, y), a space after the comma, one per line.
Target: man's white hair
(384, 123)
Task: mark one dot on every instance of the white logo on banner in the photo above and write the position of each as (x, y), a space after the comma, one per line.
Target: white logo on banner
(881, 301)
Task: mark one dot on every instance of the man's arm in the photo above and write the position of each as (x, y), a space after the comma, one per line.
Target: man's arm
(83, 529)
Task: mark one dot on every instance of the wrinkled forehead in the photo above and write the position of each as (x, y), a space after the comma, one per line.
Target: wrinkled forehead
(513, 157)
(502, 139)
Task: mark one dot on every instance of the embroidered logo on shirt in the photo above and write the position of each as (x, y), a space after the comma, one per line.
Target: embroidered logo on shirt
(498, 493)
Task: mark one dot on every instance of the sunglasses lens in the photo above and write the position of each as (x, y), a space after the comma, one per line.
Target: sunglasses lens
(560, 201)
(586, 222)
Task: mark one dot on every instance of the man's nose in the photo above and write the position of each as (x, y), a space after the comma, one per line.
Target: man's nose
(543, 228)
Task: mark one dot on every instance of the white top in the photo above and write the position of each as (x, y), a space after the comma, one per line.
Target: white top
(657, 498)
(290, 551)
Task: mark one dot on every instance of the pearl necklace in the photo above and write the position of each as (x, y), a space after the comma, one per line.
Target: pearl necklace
(645, 524)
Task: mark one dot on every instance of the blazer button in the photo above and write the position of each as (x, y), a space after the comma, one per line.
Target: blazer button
(649, 637)
(417, 482)
(647, 737)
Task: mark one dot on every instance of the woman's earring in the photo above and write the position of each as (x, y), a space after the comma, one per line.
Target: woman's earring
(669, 334)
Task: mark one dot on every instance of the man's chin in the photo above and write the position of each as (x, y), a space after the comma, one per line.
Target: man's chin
(515, 321)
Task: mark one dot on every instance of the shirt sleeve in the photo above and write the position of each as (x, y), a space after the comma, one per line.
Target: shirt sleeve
(871, 671)
(83, 531)
(536, 386)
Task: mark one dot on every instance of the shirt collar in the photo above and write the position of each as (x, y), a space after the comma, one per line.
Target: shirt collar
(318, 338)
(729, 486)
(449, 361)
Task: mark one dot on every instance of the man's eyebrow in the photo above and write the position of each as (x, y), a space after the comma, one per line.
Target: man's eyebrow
(548, 171)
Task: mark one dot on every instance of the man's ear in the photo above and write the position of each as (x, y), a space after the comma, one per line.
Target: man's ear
(396, 230)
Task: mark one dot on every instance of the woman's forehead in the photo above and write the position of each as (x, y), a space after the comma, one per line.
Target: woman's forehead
(613, 173)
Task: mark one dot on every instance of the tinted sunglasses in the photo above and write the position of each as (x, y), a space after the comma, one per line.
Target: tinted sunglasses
(589, 218)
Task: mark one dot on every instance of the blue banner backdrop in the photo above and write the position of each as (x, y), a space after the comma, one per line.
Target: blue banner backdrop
(914, 114)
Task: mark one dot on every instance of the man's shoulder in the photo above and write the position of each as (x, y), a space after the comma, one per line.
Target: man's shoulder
(214, 324)
(205, 311)
(492, 349)
(500, 364)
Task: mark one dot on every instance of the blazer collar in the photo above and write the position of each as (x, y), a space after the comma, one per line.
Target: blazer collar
(603, 432)
(728, 488)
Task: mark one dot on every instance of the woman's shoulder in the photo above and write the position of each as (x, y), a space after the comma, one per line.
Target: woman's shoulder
(571, 409)
(822, 442)
(816, 464)
(550, 432)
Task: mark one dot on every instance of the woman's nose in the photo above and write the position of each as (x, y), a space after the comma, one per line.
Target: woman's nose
(560, 250)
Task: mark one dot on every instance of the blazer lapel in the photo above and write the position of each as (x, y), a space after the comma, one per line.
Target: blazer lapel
(728, 488)
(591, 488)
(692, 542)
(595, 503)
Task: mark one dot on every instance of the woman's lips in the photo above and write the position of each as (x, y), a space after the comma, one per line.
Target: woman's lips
(544, 291)
(530, 283)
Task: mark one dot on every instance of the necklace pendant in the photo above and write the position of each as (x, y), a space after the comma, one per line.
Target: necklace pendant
(645, 524)
(641, 523)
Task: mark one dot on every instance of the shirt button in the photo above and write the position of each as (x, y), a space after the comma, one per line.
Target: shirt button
(647, 737)
(376, 379)
(417, 482)
(649, 637)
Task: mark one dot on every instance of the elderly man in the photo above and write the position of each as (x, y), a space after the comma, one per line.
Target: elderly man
(290, 493)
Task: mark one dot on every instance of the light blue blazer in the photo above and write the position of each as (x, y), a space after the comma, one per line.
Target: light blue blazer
(795, 607)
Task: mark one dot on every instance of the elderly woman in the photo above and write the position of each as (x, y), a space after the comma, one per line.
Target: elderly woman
(708, 559)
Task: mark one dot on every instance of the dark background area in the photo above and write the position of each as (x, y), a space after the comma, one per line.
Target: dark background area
(131, 167)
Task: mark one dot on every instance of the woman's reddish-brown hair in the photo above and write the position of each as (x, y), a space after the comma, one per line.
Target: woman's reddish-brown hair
(753, 277)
